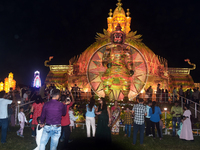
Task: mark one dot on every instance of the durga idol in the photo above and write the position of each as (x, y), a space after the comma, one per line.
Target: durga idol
(117, 59)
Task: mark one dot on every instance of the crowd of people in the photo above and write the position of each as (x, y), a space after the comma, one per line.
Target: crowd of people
(53, 118)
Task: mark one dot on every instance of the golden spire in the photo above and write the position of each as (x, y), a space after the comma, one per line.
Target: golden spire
(128, 13)
(119, 17)
(110, 13)
(119, 5)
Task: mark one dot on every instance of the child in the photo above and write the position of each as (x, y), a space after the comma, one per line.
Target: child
(128, 121)
(72, 118)
(22, 120)
(39, 131)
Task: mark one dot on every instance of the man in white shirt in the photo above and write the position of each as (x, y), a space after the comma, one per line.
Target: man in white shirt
(4, 116)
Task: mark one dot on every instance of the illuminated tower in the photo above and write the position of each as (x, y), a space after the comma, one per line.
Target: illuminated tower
(9, 83)
(119, 16)
(37, 80)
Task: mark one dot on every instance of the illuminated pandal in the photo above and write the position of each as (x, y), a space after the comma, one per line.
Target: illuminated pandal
(9, 83)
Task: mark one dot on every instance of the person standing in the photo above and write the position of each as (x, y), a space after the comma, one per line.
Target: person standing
(103, 133)
(52, 112)
(180, 92)
(128, 122)
(176, 112)
(186, 131)
(158, 93)
(139, 111)
(166, 95)
(65, 122)
(90, 117)
(4, 115)
(150, 93)
(174, 94)
(115, 112)
(36, 109)
(154, 113)
(147, 119)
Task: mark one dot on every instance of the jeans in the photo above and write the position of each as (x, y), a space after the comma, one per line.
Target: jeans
(137, 127)
(62, 135)
(174, 120)
(33, 132)
(153, 124)
(129, 128)
(67, 132)
(4, 128)
(148, 126)
(53, 132)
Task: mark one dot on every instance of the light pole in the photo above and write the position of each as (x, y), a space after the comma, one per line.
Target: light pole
(165, 109)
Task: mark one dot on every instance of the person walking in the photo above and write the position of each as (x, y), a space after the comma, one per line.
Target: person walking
(154, 113)
(22, 120)
(52, 112)
(139, 111)
(4, 116)
(176, 112)
(90, 117)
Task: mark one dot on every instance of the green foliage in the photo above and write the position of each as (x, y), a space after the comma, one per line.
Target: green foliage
(197, 125)
(168, 119)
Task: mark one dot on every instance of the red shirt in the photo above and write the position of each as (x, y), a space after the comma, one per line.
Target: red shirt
(65, 119)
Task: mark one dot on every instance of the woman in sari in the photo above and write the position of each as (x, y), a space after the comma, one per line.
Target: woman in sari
(115, 112)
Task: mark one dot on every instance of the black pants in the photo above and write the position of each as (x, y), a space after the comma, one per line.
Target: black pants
(67, 134)
(148, 126)
(157, 127)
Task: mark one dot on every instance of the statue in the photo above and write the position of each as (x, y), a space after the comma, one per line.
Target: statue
(119, 65)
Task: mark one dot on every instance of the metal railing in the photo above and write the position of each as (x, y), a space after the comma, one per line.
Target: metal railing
(193, 105)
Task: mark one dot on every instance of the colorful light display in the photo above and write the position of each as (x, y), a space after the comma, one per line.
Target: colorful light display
(37, 80)
(1, 86)
(9, 83)
(117, 70)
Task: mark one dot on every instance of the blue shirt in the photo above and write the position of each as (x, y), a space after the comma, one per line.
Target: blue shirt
(90, 113)
(156, 116)
(148, 107)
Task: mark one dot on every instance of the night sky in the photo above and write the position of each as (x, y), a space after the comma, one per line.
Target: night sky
(31, 31)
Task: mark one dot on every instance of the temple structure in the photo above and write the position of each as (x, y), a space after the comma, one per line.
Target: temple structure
(139, 66)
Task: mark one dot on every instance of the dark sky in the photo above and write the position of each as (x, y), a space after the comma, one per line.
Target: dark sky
(31, 31)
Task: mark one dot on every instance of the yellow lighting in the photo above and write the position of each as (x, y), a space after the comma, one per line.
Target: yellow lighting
(1, 86)
(119, 16)
(143, 91)
(9, 83)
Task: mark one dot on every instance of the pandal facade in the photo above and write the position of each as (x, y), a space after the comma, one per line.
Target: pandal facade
(149, 69)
